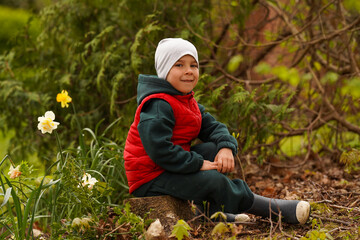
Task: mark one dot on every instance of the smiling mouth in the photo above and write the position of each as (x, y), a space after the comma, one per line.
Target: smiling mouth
(187, 80)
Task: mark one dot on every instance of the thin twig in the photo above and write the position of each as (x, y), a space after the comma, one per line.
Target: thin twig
(347, 208)
(113, 230)
(242, 169)
(126, 100)
(246, 81)
(201, 214)
(339, 229)
(331, 219)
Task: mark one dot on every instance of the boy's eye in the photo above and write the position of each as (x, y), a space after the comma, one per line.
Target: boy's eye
(178, 65)
(194, 65)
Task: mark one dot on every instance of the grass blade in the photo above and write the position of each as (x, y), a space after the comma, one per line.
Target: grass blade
(17, 205)
(6, 197)
(26, 214)
(2, 161)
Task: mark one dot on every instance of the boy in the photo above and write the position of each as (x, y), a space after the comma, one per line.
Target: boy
(159, 158)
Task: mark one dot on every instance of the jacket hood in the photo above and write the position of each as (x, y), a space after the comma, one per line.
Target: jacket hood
(151, 84)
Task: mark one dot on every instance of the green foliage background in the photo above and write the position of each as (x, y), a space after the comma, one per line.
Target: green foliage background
(96, 49)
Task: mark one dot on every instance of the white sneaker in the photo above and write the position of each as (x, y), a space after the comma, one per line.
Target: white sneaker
(242, 218)
(302, 211)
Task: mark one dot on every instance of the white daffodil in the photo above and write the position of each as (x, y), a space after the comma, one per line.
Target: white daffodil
(14, 172)
(46, 123)
(85, 222)
(76, 222)
(81, 224)
(88, 180)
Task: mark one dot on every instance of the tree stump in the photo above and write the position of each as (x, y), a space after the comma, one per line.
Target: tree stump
(165, 208)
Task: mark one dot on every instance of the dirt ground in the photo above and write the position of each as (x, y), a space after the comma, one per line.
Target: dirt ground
(334, 196)
(333, 193)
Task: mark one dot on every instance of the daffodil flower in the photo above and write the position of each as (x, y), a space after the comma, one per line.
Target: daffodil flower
(64, 98)
(81, 223)
(85, 222)
(46, 123)
(76, 222)
(14, 172)
(88, 180)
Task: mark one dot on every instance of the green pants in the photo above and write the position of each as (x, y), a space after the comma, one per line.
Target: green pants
(223, 194)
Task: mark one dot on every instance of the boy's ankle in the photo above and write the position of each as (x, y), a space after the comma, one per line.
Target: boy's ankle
(292, 211)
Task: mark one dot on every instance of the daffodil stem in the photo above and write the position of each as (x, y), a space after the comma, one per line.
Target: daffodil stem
(60, 149)
(55, 192)
(81, 138)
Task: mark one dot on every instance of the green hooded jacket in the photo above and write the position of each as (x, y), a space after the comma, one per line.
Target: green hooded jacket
(157, 121)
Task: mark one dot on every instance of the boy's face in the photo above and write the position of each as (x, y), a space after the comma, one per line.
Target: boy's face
(184, 75)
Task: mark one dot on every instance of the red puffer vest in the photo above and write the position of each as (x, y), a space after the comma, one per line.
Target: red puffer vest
(139, 167)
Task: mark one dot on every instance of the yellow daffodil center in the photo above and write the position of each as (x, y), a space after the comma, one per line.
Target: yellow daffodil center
(47, 124)
(64, 98)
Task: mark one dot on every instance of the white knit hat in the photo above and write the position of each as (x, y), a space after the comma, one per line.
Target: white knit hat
(168, 51)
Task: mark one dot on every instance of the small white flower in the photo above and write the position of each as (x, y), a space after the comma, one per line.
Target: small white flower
(88, 180)
(46, 123)
(14, 172)
(85, 222)
(76, 222)
(81, 224)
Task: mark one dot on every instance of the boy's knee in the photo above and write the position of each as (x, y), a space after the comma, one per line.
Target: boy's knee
(208, 150)
(216, 180)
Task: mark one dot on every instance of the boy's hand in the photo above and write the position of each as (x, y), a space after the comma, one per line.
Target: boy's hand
(225, 160)
(207, 165)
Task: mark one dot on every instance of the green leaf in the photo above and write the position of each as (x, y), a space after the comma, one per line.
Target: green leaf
(180, 230)
(294, 77)
(317, 66)
(217, 92)
(234, 63)
(249, 108)
(262, 68)
(330, 77)
(307, 77)
(352, 88)
(287, 75)
(234, 3)
(221, 228)
(281, 72)
(239, 97)
(219, 215)
(274, 108)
